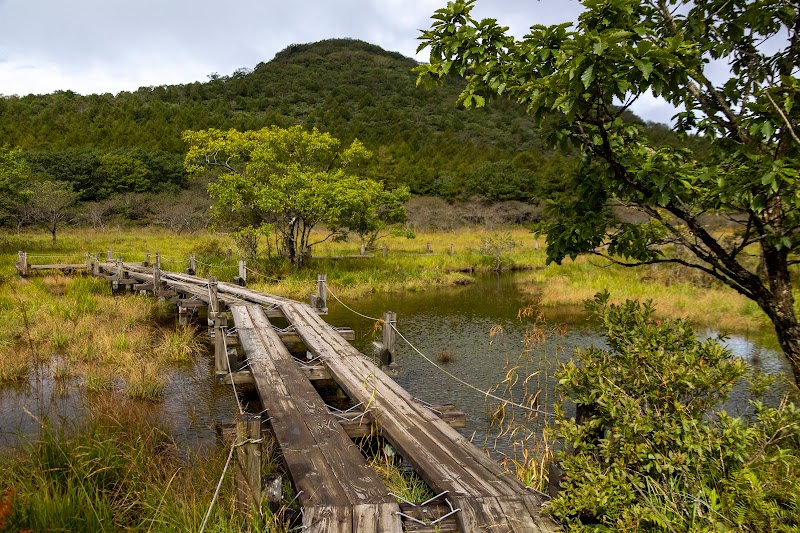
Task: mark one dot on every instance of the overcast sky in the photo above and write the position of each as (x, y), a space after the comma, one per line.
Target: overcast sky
(98, 46)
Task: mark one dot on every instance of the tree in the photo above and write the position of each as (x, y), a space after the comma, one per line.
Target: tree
(375, 209)
(291, 178)
(51, 203)
(15, 175)
(585, 79)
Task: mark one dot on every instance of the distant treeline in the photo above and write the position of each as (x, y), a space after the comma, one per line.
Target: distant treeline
(130, 142)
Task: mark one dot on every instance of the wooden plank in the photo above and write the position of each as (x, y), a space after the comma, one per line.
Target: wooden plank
(424, 440)
(321, 459)
(81, 266)
(328, 519)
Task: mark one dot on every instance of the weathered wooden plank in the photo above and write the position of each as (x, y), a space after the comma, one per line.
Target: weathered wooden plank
(328, 519)
(81, 266)
(424, 440)
(324, 464)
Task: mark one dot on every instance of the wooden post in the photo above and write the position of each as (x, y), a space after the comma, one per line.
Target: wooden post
(428, 248)
(385, 250)
(363, 249)
(221, 363)
(120, 271)
(156, 279)
(146, 259)
(320, 300)
(96, 270)
(213, 300)
(110, 256)
(192, 265)
(158, 260)
(88, 263)
(248, 459)
(242, 279)
(389, 337)
(452, 249)
(22, 263)
(183, 315)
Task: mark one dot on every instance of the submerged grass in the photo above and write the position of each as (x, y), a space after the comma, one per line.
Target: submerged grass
(118, 470)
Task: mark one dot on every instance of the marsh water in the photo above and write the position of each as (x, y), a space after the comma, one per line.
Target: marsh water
(477, 327)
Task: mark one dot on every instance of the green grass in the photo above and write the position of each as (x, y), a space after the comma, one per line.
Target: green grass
(118, 470)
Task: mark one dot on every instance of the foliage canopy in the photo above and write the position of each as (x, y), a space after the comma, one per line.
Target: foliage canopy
(293, 180)
(587, 77)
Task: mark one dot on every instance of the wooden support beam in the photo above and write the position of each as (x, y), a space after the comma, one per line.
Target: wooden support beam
(221, 363)
(248, 462)
(357, 426)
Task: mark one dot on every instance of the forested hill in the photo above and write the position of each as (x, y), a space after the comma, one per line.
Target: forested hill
(349, 88)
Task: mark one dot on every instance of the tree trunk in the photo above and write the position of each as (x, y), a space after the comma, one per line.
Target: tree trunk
(779, 306)
(53, 232)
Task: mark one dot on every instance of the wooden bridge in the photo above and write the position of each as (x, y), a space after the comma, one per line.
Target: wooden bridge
(337, 490)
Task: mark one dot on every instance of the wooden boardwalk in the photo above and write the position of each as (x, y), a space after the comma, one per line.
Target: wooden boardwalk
(337, 489)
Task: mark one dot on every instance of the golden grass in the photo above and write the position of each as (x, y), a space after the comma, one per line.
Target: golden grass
(406, 268)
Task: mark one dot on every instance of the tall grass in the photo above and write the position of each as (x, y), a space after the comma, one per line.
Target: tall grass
(522, 423)
(118, 470)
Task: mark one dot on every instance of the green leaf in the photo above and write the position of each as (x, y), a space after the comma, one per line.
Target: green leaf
(588, 76)
(767, 129)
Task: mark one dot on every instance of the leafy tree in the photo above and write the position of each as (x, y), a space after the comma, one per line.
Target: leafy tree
(15, 175)
(655, 453)
(620, 51)
(373, 210)
(291, 178)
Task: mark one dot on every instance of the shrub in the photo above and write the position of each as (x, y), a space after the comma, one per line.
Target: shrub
(656, 453)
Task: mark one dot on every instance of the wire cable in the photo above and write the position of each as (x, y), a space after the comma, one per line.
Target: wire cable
(470, 385)
(328, 288)
(219, 486)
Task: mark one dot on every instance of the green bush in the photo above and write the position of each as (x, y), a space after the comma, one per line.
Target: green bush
(656, 453)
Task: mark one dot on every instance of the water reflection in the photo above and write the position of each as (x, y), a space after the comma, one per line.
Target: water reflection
(461, 320)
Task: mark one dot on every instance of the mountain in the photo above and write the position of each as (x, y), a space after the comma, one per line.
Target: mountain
(349, 88)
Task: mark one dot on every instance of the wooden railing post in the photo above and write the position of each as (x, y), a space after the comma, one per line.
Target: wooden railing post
(146, 259)
(248, 459)
(22, 263)
(192, 270)
(389, 337)
(158, 260)
(320, 300)
(110, 256)
(242, 278)
(213, 300)
(156, 281)
(96, 266)
(363, 250)
(221, 362)
(88, 263)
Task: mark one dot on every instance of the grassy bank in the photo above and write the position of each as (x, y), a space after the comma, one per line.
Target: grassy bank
(679, 292)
